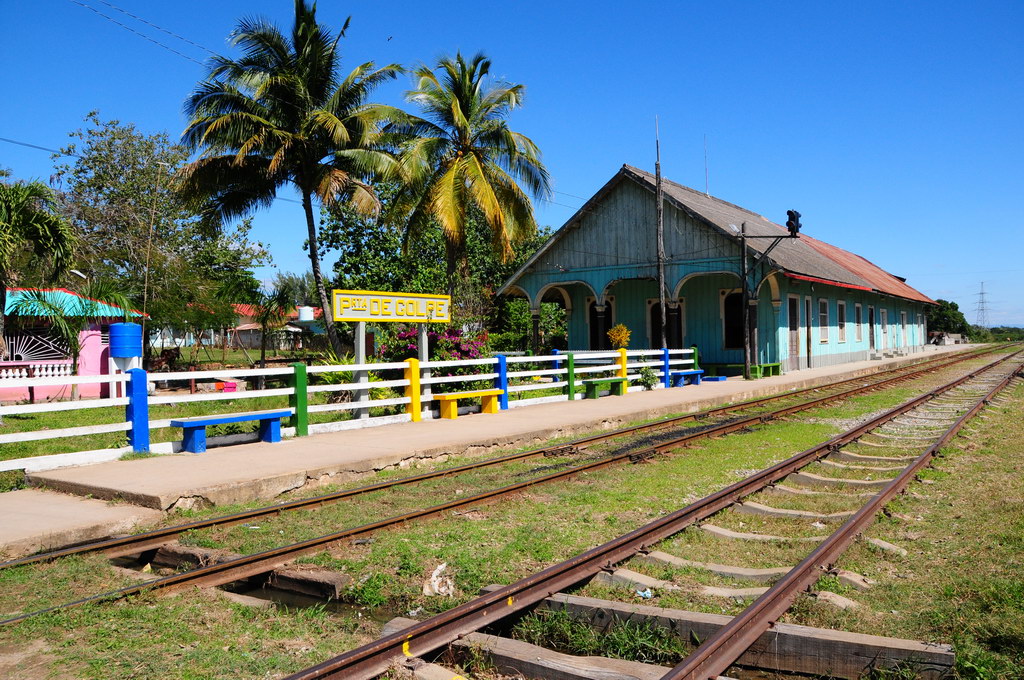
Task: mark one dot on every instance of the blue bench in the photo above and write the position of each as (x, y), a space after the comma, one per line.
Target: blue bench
(195, 428)
(680, 378)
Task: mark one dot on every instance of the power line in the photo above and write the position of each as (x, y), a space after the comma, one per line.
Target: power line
(159, 28)
(75, 155)
(33, 146)
(141, 35)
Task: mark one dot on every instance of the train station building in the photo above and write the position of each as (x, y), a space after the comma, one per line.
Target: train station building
(812, 304)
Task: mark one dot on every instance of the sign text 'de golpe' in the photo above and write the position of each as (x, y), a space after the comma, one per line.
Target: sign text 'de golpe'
(378, 306)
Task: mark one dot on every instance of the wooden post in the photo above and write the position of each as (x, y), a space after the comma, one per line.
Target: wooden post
(570, 377)
(412, 374)
(361, 375)
(137, 410)
(501, 382)
(666, 378)
(659, 193)
(300, 399)
(745, 301)
(535, 336)
(423, 349)
(623, 372)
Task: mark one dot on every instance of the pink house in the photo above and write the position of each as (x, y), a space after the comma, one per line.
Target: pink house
(32, 351)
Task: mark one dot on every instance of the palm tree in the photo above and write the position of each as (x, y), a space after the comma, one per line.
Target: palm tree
(283, 114)
(69, 317)
(462, 157)
(271, 313)
(28, 221)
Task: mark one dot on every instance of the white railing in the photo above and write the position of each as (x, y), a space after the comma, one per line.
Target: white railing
(371, 390)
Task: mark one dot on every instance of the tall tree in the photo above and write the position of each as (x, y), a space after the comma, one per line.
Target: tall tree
(462, 156)
(272, 308)
(946, 317)
(30, 225)
(114, 186)
(283, 114)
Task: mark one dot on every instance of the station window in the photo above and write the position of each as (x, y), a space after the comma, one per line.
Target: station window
(858, 325)
(841, 320)
(823, 320)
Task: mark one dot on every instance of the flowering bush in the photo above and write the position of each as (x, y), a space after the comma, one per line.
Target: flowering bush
(446, 344)
(619, 335)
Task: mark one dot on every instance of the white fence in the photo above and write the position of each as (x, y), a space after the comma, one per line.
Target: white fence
(320, 398)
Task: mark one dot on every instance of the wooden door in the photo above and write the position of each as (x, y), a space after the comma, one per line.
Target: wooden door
(794, 334)
(871, 328)
(807, 328)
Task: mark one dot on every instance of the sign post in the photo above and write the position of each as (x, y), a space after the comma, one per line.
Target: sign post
(360, 306)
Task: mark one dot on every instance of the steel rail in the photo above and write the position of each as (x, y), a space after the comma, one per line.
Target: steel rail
(138, 543)
(721, 650)
(431, 634)
(247, 566)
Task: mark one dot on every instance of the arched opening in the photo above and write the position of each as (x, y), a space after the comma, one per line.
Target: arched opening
(600, 318)
(732, 320)
(674, 324)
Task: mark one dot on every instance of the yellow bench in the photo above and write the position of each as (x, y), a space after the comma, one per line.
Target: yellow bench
(450, 402)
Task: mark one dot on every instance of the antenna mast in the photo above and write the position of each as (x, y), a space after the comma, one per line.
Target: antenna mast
(663, 311)
(706, 165)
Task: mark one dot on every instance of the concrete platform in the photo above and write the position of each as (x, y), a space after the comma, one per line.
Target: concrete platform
(35, 520)
(254, 471)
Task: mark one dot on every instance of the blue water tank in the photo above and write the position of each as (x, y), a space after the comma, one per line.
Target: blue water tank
(125, 340)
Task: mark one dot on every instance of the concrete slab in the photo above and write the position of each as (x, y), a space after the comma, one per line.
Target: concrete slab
(247, 472)
(35, 520)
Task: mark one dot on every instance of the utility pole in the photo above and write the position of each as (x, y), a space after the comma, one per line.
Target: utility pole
(793, 225)
(149, 250)
(745, 297)
(659, 191)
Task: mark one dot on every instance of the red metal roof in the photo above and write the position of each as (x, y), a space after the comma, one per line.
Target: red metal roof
(816, 279)
(881, 280)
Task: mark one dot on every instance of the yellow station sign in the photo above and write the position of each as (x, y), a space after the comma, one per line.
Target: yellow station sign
(378, 306)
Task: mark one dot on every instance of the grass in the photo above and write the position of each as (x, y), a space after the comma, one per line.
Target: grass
(196, 635)
(964, 579)
(191, 636)
(643, 642)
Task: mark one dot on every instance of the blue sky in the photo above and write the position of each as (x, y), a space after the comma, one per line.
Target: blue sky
(895, 128)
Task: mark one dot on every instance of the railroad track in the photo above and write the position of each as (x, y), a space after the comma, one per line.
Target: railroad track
(945, 410)
(147, 541)
(248, 566)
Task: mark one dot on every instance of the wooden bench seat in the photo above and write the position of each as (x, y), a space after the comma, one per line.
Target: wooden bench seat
(689, 377)
(194, 440)
(756, 370)
(617, 385)
(450, 401)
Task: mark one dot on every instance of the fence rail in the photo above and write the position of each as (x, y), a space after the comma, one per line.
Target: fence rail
(372, 387)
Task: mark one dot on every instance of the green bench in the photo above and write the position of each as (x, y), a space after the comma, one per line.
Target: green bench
(617, 385)
(756, 370)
